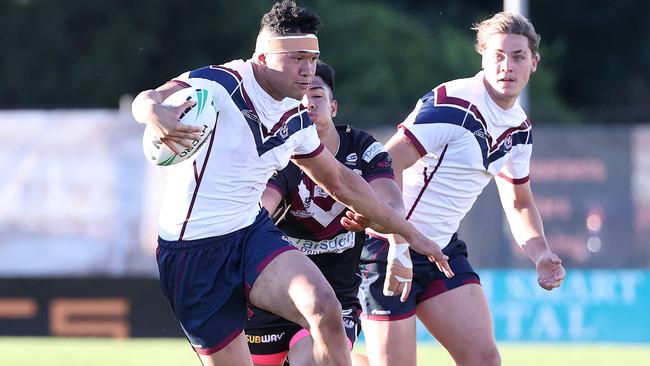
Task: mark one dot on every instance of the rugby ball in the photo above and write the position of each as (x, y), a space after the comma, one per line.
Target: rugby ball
(203, 114)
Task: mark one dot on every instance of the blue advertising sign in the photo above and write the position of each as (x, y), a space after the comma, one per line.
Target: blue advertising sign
(591, 306)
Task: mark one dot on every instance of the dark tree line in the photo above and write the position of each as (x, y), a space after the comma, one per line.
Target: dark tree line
(81, 54)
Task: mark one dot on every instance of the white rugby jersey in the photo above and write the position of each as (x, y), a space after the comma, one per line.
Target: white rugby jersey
(464, 140)
(219, 192)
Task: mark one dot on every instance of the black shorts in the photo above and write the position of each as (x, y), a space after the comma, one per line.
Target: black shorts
(270, 337)
(428, 281)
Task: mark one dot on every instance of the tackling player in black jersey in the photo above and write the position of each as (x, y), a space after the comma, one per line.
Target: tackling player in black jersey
(312, 220)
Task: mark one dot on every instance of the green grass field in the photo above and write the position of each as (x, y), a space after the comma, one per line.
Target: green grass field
(18, 351)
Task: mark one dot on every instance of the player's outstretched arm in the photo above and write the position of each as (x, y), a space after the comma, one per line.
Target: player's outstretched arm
(399, 267)
(528, 231)
(403, 155)
(353, 191)
(147, 108)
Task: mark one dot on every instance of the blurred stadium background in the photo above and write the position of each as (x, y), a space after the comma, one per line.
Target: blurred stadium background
(78, 203)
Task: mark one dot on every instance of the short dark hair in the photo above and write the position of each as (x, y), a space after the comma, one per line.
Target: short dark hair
(326, 72)
(285, 17)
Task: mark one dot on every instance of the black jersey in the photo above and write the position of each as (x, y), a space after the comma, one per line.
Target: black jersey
(312, 217)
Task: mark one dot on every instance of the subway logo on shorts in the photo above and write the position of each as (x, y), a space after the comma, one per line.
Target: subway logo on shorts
(267, 338)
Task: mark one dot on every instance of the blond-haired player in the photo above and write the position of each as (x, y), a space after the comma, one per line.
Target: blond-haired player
(459, 136)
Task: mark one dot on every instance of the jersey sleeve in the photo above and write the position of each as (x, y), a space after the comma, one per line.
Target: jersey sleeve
(210, 79)
(517, 168)
(309, 145)
(429, 127)
(376, 162)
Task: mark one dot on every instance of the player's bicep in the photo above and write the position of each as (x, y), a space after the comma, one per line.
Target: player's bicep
(271, 198)
(402, 151)
(514, 195)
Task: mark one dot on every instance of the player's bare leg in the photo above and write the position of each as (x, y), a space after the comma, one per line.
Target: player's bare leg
(390, 342)
(235, 353)
(460, 319)
(300, 353)
(292, 286)
(359, 359)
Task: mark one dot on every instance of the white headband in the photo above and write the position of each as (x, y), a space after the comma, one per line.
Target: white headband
(282, 44)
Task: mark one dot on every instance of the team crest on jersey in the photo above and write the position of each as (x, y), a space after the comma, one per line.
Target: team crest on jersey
(507, 143)
(307, 202)
(284, 131)
(320, 192)
(351, 159)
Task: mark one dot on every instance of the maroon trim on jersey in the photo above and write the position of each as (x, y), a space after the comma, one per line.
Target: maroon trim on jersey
(249, 102)
(198, 184)
(514, 180)
(389, 317)
(283, 119)
(381, 175)
(196, 172)
(265, 131)
(219, 346)
(442, 98)
(318, 150)
(232, 71)
(413, 140)
(427, 180)
(180, 82)
(525, 125)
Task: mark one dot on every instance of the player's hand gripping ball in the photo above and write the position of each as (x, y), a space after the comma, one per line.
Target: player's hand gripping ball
(202, 114)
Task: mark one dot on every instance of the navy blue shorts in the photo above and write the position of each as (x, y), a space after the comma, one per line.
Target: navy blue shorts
(270, 336)
(207, 281)
(428, 281)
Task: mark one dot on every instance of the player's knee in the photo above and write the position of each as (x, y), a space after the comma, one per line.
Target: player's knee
(483, 356)
(324, 310)
(328, 307)
(491, 357)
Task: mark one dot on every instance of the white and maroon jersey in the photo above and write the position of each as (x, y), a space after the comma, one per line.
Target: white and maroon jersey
(255, 135)
(464, 140)
(312, 219)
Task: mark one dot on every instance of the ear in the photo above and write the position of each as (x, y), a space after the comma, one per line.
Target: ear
(536, 59)
(334, 107)
(260, 58)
